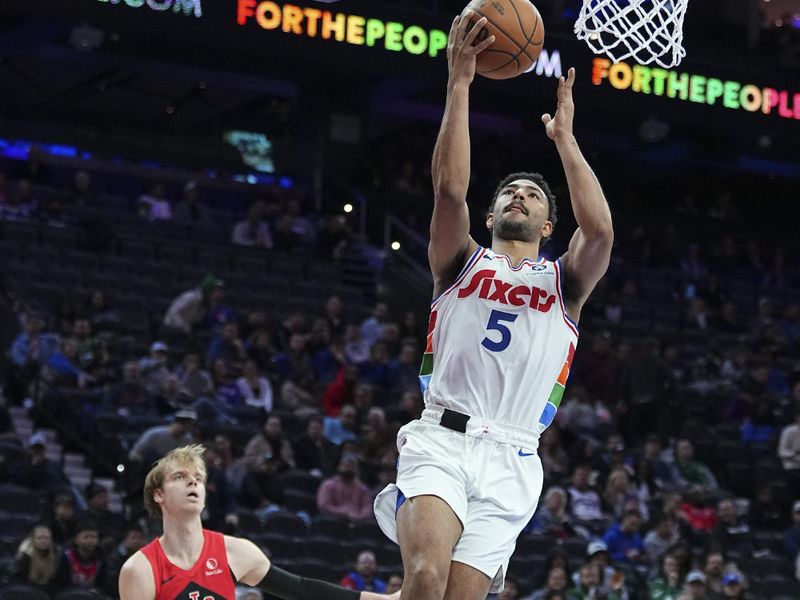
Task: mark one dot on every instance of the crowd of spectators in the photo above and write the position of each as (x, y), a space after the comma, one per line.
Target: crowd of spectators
(672, 470)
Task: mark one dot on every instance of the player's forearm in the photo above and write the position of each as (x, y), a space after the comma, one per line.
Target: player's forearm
(451, 156)
(588, 201)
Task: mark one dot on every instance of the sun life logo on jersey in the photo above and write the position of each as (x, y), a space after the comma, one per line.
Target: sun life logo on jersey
(211, 567)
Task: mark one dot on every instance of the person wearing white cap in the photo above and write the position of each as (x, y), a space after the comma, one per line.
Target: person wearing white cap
(696, 585)
(159, 440)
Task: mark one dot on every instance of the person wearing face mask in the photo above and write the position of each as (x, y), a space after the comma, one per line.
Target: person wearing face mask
(344, 494)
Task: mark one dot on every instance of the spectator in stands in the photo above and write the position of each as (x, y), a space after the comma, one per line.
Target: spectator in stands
(193, 380)
(356, 347)
(342, 428)
(190, 210)
(262, 489)
(80, 193)
(299, 396)
(255, 390)
(395, 582)
(313, 452)
(618, 489)
(62, 522)
(689, 472)
(261, 350)
(623, 539)
(585, 502)
(555, 461)
(403, 371)
(714, 568)
(372, 326)
(695, 588)
(765, 511)
(375, 370)
(653, 449)
(29, 351)
(286, 240)
(333, 314)
(551, 516)
(667, 585)
(789, 448)
(733, 587)
(320, 335)
(37, 560)
(154, 206)
(254, 231)
(410, 408)
(129, 396)
(556, 582)
(700, 518)
(300, 225)
(791, 537)
(63, 367)
(154, 369)
(589, 585)
(328, 361)
(160, 439)
(334, 238)
(21, 205)
(109, 524)
(661, 538)
(295, 363)
(510, 589)
(36, 471)
(345, 495)
(228, 346)
(232, 466)
(82, 564)
(220, 511)
(731, 531)
(270, 443)
(363, 578)
(190, 308)
(132, 540)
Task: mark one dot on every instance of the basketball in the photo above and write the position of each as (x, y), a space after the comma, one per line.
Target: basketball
(519, 34)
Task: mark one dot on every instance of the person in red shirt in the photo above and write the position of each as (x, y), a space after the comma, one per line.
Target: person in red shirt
(191, 563)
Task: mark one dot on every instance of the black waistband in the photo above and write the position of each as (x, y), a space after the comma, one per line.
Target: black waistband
(454, 420)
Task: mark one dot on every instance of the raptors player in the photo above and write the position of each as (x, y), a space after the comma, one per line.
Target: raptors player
(501, 338)
(192, 563)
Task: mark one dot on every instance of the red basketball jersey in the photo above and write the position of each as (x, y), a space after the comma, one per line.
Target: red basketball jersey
(210, 578)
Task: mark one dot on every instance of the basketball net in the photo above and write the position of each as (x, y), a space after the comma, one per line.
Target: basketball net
(644, 30)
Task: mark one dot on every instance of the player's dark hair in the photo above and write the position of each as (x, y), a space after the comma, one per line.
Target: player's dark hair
(538, 179)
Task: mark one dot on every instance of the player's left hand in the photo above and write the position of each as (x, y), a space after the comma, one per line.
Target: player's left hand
(560, 125)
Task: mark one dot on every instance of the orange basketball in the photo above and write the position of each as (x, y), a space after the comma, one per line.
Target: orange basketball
(519, 34)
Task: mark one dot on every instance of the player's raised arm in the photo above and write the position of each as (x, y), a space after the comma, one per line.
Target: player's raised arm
(589, 253)
(136, 579)
(450, 240)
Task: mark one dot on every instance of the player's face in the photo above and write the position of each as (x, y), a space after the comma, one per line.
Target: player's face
(520, 212)
(184, 490)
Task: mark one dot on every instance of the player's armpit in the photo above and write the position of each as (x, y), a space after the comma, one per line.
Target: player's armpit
(248, 563)
(136, 579)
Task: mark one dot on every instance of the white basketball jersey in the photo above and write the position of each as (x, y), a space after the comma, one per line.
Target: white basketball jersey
(500, 343)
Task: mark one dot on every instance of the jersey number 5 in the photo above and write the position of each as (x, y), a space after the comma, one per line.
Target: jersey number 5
(495, 323)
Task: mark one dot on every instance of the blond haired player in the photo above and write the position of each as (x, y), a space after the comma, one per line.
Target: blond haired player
(191, 563)
(501, 338)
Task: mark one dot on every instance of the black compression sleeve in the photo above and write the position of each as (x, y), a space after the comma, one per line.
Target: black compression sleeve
(284, 585)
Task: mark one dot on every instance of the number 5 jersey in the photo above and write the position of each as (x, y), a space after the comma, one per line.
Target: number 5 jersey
(500, 343)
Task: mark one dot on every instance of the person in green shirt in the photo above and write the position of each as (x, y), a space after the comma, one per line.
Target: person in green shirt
(667, 585)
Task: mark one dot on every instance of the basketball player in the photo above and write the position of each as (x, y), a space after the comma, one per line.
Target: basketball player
(191, 563)
(501, 338)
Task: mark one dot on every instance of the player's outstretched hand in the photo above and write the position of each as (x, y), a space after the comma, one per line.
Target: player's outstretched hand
(561, 124)
(461, 46)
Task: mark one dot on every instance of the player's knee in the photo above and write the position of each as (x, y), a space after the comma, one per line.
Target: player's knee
(427, 577)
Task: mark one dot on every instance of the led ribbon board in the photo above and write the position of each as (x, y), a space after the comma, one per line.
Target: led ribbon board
(341, 27)
(688, 87)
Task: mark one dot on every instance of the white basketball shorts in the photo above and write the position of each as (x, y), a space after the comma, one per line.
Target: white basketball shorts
(490, 476)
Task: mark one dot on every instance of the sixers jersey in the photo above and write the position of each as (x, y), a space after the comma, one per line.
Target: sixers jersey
(209, 579)
(500, 343)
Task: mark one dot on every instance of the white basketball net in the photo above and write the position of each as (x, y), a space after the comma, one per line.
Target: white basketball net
(644, 30)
